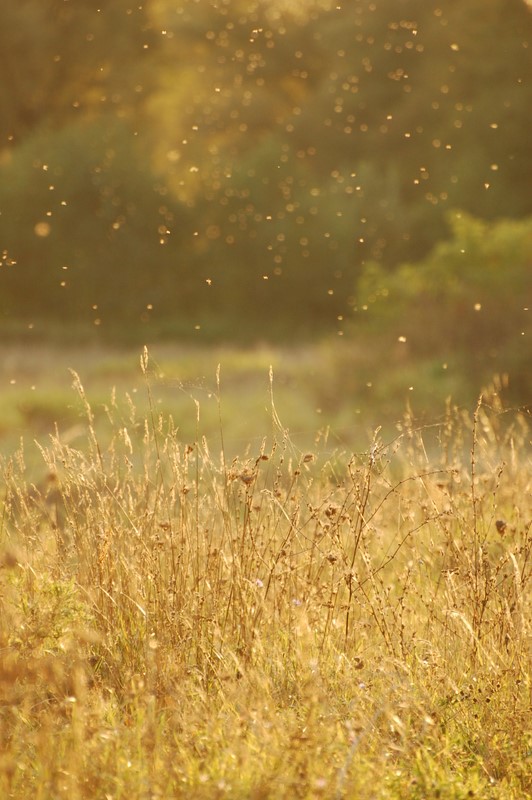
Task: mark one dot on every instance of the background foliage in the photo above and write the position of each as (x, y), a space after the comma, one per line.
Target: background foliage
(240, 168)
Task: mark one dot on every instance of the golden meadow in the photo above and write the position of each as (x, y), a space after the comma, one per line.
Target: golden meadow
(183, 617)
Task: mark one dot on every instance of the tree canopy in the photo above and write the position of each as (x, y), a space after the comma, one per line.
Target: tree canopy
(235, 165)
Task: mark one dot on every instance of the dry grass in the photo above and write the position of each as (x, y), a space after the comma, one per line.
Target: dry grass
(285, 624)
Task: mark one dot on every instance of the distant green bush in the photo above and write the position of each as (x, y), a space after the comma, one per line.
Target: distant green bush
(469, 301)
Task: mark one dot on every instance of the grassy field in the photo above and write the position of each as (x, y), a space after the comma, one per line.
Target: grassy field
(229, 587)
(337, 390)
(37, 390)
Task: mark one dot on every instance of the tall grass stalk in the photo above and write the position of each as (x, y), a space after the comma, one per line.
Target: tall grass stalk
(280, 624)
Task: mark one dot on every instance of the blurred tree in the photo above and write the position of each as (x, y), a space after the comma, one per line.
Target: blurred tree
(89, 229)
(63, 60)
(284, 144)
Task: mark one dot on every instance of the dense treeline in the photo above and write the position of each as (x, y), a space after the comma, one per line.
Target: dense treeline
(238, 165)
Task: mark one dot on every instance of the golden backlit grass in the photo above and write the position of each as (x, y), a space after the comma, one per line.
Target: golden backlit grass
(283, 624)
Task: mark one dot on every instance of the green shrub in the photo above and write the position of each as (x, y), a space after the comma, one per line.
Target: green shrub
(467, 303)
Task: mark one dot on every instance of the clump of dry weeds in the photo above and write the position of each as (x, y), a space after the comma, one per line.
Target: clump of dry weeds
(279, 625)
